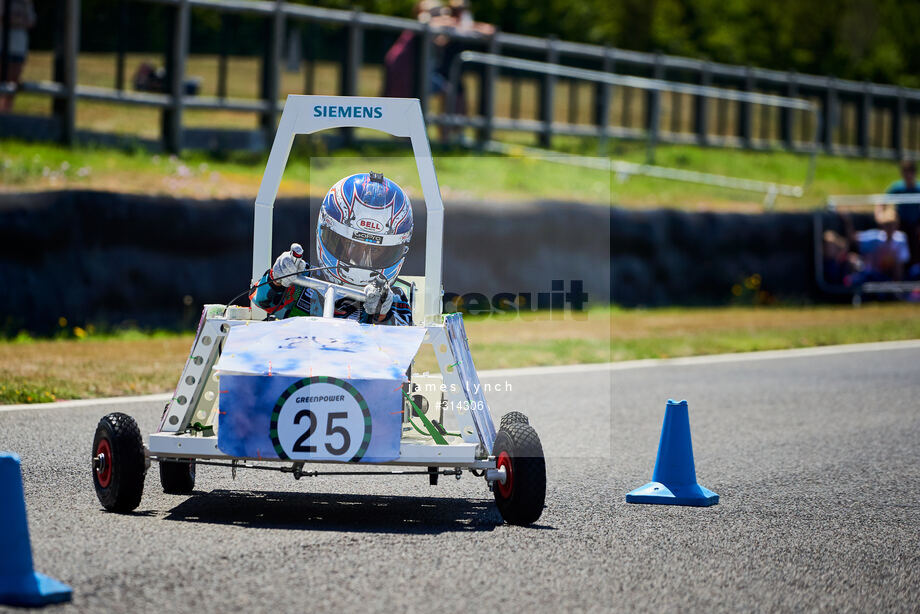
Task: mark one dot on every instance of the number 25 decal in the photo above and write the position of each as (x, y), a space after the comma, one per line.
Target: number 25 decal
(320, 418)
(331, 430)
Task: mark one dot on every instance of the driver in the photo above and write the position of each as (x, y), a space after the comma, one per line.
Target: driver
(362, 238)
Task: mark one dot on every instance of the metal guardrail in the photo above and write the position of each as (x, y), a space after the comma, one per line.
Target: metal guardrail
(623, 170)
(872, 138)
(868, 200)
(621, 167)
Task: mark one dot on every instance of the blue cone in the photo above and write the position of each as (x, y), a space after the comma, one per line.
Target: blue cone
(19, 583)
(674, 480)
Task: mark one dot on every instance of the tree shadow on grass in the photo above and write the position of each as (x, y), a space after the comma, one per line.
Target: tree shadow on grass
(339, 512)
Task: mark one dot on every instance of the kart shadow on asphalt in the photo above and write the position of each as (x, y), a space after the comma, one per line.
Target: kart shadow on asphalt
(339, 512)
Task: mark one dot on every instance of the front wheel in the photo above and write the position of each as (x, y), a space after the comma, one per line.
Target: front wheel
(521, 496)
(118, 462)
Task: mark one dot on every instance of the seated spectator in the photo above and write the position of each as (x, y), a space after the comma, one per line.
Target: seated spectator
(148, 78)
(884, 250)
(839, 261)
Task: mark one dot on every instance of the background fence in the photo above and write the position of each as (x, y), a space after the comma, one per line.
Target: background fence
(860, 119)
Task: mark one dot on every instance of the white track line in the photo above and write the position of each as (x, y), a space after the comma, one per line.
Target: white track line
(712, 359)
(828, 350)
(161, 398)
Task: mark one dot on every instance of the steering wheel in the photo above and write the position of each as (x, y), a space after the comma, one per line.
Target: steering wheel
(332, 292)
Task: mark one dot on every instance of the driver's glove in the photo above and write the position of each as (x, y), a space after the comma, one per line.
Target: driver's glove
(287, 265)
(379, 299)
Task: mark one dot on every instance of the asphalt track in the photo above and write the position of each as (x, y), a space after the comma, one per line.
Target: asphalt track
(816, 458)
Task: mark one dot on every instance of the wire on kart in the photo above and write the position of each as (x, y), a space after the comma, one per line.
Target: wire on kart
(441, 430)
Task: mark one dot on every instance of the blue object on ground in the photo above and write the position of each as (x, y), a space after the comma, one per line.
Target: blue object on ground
(19, 583)
(674, 479)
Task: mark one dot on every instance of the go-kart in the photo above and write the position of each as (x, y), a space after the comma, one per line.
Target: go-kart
(292, 395)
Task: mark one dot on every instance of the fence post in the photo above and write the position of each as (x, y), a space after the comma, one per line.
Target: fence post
(120, 45)
(700, 108)
(787, 115)
(309, 58)
(765, 125)
(911, 140)
(897, 124)
(653, 111)
(271, 66)
(572, 115)
(5, 37)
(830, 115)
(487, 89)
(602, 94)
(293, 51)
(547, 93)
(865, 110)
(351, 68)
(176, 52)
(677, 100)
(222, 53)
(423, 78)
(67, 48)
(745, 115)
(515, 103)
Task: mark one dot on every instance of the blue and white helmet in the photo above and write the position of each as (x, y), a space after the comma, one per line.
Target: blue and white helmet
(364, 228)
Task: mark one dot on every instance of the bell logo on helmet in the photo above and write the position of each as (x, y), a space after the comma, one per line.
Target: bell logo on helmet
(370, 224)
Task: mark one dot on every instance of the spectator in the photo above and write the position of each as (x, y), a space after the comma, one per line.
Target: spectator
(148, 78)
(909, 213)
(459, 19)
(21, 20)
(399, 61)
(839, 261)
(884, 250)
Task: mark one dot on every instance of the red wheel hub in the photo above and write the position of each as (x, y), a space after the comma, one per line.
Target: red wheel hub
(504, 460)
(102, 463)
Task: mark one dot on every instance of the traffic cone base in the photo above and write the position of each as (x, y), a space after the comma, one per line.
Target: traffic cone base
(19, 583)
(656, 492)
(674, 479)
(33, 591)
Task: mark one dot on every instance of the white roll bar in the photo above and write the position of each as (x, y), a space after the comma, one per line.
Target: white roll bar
(400, 117)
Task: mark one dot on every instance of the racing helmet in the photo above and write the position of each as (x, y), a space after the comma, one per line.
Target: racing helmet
(363, 229)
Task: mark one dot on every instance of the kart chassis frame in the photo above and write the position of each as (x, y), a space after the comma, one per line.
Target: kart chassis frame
(186, 430)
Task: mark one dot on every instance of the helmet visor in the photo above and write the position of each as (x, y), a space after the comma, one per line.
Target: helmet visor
(363, 255)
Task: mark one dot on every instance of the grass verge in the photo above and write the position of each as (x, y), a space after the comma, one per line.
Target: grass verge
(27, 167)
(45, 370)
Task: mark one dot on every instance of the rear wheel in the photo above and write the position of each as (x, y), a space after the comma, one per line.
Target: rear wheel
(521, 496)
(512, 417)
(177, 476)
(118, 463)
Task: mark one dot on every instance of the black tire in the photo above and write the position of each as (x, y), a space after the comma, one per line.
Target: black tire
(512, 417)
(177, 477)
(118, 463)
(520, 499)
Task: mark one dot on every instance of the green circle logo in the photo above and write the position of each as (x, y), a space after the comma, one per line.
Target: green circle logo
(321, 418)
